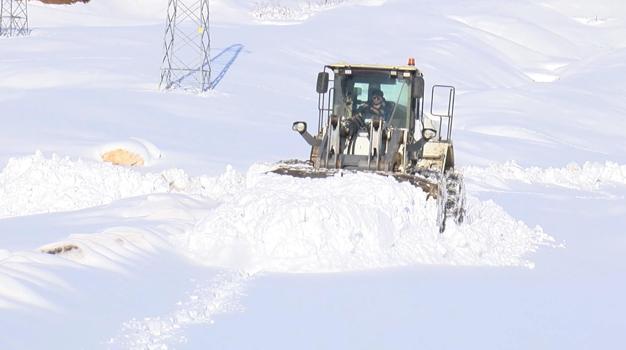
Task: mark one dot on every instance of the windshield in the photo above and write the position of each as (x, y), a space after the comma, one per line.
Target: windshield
(373, 93)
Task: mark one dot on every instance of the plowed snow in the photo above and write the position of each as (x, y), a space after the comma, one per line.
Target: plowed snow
(279, 223)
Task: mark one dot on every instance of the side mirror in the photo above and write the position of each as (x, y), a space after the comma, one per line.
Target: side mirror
(418, 87)
(322, 82)
(428, 133)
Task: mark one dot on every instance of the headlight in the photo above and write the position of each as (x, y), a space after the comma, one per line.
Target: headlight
(429, 133)
(299, 127)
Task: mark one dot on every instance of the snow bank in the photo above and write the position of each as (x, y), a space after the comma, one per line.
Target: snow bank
(279, 223)
(36, 184)
(350, 222)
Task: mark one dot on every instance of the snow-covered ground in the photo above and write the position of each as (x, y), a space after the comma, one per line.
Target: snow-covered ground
(201, 248)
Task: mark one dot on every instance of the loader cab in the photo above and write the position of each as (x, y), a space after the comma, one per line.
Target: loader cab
(353, 86)
(354, 94)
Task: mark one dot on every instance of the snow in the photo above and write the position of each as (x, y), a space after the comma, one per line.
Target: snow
(330, 225)
(591, 177)
(203, 247)
(275, 13)
(310, 225)
(202, 305)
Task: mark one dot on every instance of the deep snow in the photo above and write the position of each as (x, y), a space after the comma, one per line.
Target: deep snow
(202, 246)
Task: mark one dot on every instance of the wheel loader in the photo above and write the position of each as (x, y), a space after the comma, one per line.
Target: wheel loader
(396, 139)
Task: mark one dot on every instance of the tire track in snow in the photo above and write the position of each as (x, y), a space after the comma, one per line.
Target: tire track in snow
(207, 300)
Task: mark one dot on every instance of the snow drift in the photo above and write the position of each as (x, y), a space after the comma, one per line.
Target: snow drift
(260, 221)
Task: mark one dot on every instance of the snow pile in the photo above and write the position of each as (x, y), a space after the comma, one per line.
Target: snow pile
(350, 222)
(265, 221)
(35, 184)
(588, 177)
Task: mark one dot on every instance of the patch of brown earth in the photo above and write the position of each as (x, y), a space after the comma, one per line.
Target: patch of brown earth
(62, 249)
(60, 2)
(123, 157)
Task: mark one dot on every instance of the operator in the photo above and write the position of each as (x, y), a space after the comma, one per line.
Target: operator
(377, 106)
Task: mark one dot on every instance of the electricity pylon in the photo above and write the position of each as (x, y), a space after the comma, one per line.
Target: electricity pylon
(13, 17)
(187, 63)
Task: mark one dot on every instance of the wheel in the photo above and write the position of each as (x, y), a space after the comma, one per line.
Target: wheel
(442, 200)
(455, 207)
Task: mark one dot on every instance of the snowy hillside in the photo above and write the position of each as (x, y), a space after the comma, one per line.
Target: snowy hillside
(202, 248)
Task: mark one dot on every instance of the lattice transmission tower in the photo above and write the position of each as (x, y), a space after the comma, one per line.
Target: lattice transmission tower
(13, 17)
(187, 62)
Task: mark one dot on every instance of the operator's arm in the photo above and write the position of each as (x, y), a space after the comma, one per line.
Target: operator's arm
(362, 109)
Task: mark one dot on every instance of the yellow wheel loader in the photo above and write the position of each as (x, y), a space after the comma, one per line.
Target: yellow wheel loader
(372, 119)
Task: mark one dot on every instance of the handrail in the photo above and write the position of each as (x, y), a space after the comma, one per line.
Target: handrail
(449, 114)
